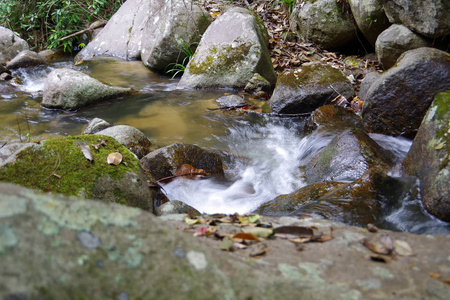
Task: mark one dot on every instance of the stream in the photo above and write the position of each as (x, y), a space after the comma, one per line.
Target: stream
(268, 151)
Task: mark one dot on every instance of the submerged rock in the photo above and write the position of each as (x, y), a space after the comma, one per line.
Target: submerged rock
(428, 158)
(176, 207)
(74, 166)
(397, 101)
(308, 87)
(323, 22)
(230, 52)
(26, 59)
(95, 125)
(394, 41)
(134, 139)
(10, 45)
(333, 118)
(164, 162)
(70, 89)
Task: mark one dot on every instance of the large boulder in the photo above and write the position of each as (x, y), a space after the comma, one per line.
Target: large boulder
(164, 162)
(69, 89)
(10, 45)
(348, 157)
(324, 23)
(370, 17)
(430, 18)
(155, 31)
(394, 41)
(132, 138)
(332, 118)
(428, 158)
(308, 87)
(78, 166)
(230, 52)
(397, 101)
(25, 59)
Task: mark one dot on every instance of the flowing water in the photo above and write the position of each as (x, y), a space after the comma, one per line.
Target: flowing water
(267, 151)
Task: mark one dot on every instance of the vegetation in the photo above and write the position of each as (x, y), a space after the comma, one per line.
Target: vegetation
(43, 22)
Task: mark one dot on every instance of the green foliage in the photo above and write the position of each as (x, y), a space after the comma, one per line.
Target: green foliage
(188, 52)
(43, 23)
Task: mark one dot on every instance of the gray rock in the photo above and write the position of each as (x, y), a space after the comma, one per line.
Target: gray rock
(307, 88)
(430, 18)
(25, 59)
(367, 83)
(149, 30)
(141, 256)
(63, 166)
(175, 207)
(163, 162)
(230, 101)
(348, 157)
(394, 41)
(323, 23)
(332, 118)
(134, 139)
(397, 101)
(10, 45)
(257, 83)
(96, 125)
(370, 17)
(70, 89)
(9, 151)
(232, 50)
(428, 158)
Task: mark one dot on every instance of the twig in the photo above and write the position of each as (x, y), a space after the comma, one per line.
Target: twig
(18, 125)
(55, 167)
(82, 31)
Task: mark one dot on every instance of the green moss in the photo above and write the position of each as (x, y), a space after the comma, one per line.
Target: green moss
(60, 166)
(312, 74)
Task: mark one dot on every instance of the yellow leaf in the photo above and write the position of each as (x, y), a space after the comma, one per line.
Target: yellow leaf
(114, 158)
(440, 146)
(190, 221)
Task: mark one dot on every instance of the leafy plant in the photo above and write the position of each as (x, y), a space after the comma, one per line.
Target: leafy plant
(43, 23)
(187, 53)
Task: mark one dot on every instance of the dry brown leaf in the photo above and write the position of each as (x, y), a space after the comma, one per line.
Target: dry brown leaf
(245, 236)
(379, 245)
(435, 275)
(186, 169)
(402, 248)
(114, 158)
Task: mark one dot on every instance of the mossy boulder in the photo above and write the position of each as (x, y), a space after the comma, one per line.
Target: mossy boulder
(69, 89)
(332, 117)
(429, 156)
(397, 101)
(60, 166)
(164, 162)
(354, 203)
(132, 138)
(347, 158)
(231, 51)
(324, 23)
(308, 87)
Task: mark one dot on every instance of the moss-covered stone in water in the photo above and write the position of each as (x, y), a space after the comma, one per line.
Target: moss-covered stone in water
(311, 74)
(60, 166)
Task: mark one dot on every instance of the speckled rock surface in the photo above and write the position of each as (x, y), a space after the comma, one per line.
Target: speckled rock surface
(25, 59)
(60, 248)
(332, 117)
(231, 51)
(428, 158)
(10, 45)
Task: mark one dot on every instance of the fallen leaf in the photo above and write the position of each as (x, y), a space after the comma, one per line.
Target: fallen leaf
(379, 245)
(191, 221)
(87, 152)
(202, 231)
(227, 244)
(435, 275)
(186, 169)
(114, 158)
(440, 146)
(245, 236)
(372, 228)
(402, 248)
(254, 219)
(258, 231)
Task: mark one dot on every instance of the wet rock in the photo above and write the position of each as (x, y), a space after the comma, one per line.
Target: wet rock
(347, 158)
(258, 83)
(370, 17)
(356, 203)
(61, 166)
(231, 101)
(230, 52)
(134, 139)
(163, 162)
(428, 158)
(10, 45)
(9, 151)
(26, 59)
(430, 18)
(176, 207)
(96, 125)
(307, 88)
(366, 84)
(70, 89)
(332, 117)
(53, 55)
(152, 31)
(137, 248)
(394, 41)
(323, 22)
(397, 101)
(5, 77)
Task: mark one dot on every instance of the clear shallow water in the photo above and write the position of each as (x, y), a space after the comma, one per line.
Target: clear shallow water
(266, 152)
